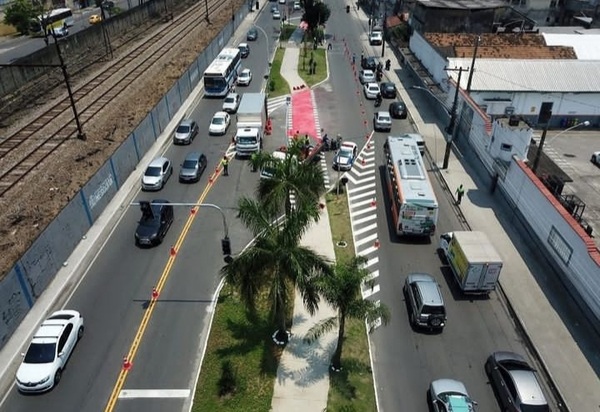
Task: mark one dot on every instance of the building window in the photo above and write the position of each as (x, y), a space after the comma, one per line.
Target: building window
(506, 147)
(560, 246)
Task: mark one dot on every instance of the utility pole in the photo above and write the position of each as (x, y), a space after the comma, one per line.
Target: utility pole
(384, 29)
(453, 112)
(206, 5)
(105, 37)
(477, 40)
(63, 67)
(538, 154)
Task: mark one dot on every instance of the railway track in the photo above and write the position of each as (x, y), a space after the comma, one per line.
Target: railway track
(90, 98)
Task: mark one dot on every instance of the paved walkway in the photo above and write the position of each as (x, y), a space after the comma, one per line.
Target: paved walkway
(561, 357)
(303, 374)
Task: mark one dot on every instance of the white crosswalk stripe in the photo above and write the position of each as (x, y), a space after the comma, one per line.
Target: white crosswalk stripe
(276, 102)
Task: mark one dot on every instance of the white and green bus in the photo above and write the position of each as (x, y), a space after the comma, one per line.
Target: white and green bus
(54, 19)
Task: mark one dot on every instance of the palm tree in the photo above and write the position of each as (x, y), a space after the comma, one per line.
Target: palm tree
(275, 262)
(342, 291)
(292, 175)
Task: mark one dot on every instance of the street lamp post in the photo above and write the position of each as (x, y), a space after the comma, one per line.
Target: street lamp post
(452, 124)
(538, 154)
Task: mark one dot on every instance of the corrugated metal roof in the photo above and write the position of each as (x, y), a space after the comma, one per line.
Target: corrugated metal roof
(587, 46)
(530, 75)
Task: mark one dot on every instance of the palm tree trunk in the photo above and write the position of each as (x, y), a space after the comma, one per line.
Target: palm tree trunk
(282, 335)
(336, 360)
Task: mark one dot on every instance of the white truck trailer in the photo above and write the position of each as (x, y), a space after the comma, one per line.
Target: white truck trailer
(251, 121)
(473, 259)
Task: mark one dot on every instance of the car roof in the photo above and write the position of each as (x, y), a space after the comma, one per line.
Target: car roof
(246, 70)
(232, 95)
(221, 114)
(372, 85)
(367, 71)
(448, 385)
(528, 387)
(350, 145)
(428, 286)
(382, 113)
(243, 45)
(158, 162)
(50, 330)
(186, 122)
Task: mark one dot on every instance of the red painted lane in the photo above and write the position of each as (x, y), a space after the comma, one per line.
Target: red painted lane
(303, 115)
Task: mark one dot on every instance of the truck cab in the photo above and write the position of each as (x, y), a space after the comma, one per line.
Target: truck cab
(248, 140)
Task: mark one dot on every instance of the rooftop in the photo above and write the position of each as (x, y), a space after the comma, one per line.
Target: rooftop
(462, 4)
(499, 46)
(586, 46)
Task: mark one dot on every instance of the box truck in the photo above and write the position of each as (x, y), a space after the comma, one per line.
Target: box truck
(251, 121)
(473, 259)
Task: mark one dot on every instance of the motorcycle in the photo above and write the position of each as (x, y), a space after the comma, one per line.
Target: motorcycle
(378, 101)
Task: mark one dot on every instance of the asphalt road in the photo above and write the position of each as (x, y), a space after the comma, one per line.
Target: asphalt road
(115, 292)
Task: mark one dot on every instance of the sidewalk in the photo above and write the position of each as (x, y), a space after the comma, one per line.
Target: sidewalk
(303, 373)
(562, 359)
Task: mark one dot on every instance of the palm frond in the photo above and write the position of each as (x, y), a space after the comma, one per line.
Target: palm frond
(318, 330)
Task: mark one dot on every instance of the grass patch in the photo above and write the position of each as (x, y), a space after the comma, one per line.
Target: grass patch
(278, 86)
(351, 389)
(286, 32)
(319, 56)
(240, 364)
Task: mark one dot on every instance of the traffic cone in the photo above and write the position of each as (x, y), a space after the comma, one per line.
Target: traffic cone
(362, 161)
(193, 211)
(373, 202)
(154, 294)
(376, 244)
(173, 251)
(126, 364)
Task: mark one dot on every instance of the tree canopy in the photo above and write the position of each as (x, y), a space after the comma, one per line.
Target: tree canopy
(19, 13)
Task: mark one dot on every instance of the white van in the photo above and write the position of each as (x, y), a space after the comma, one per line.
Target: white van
(248, 140)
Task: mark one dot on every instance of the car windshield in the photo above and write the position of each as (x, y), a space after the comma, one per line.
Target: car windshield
(183, 129)
(535, 408)
(218, 120)
(153, 171)
(229, 100)
(40, 353)
(345, 152)
(433, 310)
(384, 119)
(245, 74)
(247, 139)
(189, 164)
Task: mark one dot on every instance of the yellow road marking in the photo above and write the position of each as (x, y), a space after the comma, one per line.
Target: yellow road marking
(161, 282)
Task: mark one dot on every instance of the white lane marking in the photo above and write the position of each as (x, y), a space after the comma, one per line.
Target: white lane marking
(370, 238)
(369, 291)
(357, 205)
(371, 193)
(154, 393)
(364, 220)
(372, 226)
(361, 188)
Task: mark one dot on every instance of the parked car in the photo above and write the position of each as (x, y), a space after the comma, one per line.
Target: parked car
(192, 167)
(345, 156)
(49, 350)
(447, 395)
(219, 123)
(371, 91)
(382, 121)
(157, 218)
(274, 8)
(94, 19)
(369, 63)
(297, 5)
(398, 110)
(424, 301)
(157, 173)
(252, 34)
(244, 50)
(515, 383)
(596, 158)
(281, 1)
(231, 103)
(276, 15)
(244, 78)
(388, 90)
(186, 132)
(366, 76)
(375, 38)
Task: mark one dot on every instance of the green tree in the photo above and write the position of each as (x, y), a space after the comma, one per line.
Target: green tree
(275, 263)
(291, 176)
(19, 14)
(316, 13)
(342, 291)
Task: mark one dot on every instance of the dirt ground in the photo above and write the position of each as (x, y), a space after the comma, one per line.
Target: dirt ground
(30, 206)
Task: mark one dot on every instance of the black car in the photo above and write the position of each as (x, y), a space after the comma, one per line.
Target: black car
(369, 63)
(252, 34)
(157, 217)
(398, 110)
(388, 90)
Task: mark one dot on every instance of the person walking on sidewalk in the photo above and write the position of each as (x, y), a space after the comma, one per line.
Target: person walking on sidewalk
(460, 192)
(225, 164)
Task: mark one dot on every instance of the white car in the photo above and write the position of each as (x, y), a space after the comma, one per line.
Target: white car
(49, 351)
(445, 242)
(596, 158)
(231, 103)
(375, 38)
(371, 91)
(157, 173)
(219, 123)
(366, 76)
(345, 156)
(297, 5)
(449, 395)
(244, 78)
(382, 121)
(281, 1)
(276, 15)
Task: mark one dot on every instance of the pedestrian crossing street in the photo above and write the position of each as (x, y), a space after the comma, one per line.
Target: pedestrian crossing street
(362, 204)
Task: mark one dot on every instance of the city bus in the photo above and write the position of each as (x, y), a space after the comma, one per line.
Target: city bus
(414, 205)
(222, 73)
(53, 19)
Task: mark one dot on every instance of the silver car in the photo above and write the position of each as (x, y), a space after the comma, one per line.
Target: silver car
(192, 167)
(366, 76)
(446, 395)
(231, 103)
(185, 132)
(382, 121)
(244, 78)
(157, 173)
